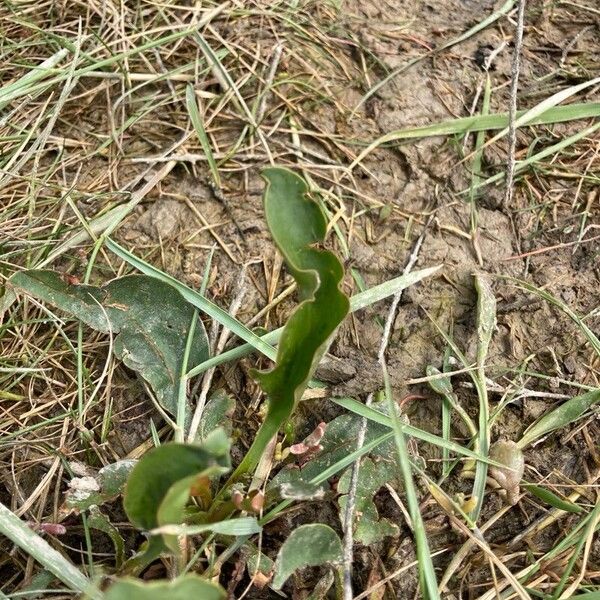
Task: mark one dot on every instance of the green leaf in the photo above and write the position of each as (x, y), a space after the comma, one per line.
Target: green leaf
(157, 472)
(85, 492)
(339, 440)
(297, 226)
(369, 528)
(552, 499)
(217, 413)
(149, 319)
(183, 588)
(98, 520)
(307, 546)
(563, 415)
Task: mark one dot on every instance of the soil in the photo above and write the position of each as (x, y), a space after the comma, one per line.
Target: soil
(396, 190)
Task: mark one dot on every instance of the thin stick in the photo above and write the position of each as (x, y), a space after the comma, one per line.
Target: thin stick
(512, 110)
(351, 497)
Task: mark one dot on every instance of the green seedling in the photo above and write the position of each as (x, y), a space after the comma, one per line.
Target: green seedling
(298, 226)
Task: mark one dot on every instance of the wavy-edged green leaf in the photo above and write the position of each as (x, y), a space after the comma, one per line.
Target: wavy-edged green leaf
(182, 588)
(563, 415)
(552, 499)
(153, 479)
(297, 226)
(149, 318)
(307, 546)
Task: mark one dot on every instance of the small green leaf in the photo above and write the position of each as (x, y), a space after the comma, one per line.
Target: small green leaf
(149, 318)
(440, 385)
(552, 499)
(565, 414)
(217, 413)
(369, 528)
(106, 486)
(298, 227)
(160, 469)
(183, 588)
(307, 546)
(98, 520)
(113, 477)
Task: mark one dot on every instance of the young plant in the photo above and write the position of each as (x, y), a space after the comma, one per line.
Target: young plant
(298, 227)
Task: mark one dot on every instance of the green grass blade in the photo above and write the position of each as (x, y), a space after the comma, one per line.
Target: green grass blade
(552, 499)
(521, 165)
(23, 536)
(378, 417)
(529, 116)
(564, 415)
(558, 114)
(427, 577)
(192, 106)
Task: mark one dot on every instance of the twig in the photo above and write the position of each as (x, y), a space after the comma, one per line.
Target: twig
(512, 111)
(351, 497)
(260, 113)
(208, 376)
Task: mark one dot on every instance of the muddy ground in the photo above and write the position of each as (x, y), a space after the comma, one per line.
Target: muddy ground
(381, 208)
